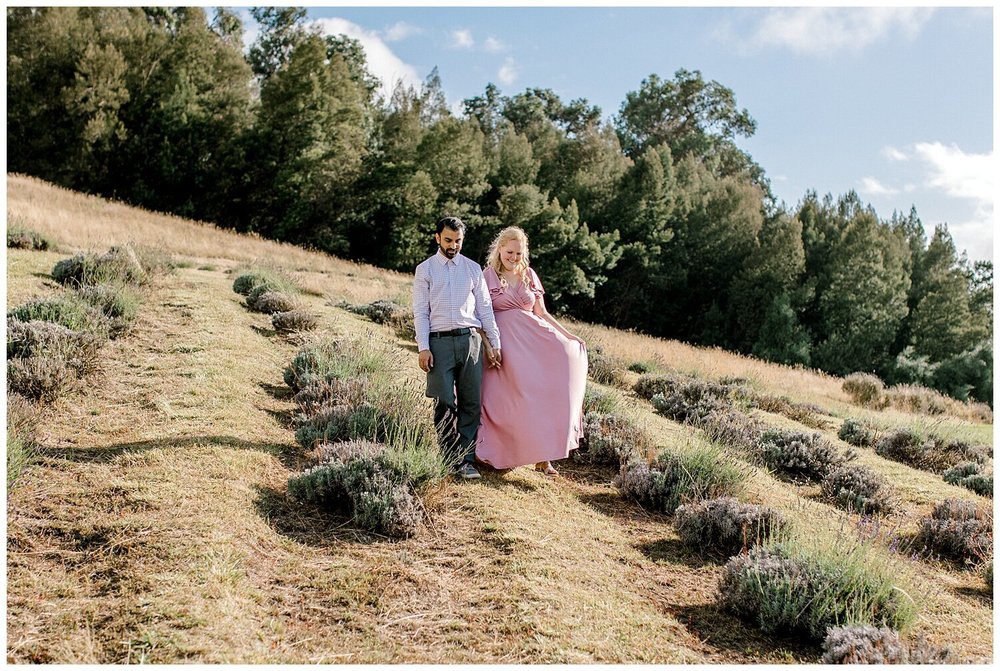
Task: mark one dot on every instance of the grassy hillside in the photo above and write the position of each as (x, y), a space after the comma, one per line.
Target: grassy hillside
(154, 524)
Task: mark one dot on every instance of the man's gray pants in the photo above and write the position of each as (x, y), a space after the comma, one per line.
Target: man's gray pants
(454, 381)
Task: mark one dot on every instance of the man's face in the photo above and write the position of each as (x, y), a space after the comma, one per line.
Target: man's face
(450, 241)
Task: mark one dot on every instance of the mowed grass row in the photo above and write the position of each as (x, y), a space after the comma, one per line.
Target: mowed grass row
(187, 546)
(195, 422)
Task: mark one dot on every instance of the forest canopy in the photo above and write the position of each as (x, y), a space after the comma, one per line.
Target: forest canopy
(653, 220)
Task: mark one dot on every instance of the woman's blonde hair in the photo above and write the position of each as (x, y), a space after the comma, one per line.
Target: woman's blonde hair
(493, 256)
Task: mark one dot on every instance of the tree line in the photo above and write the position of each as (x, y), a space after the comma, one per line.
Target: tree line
(654, 220)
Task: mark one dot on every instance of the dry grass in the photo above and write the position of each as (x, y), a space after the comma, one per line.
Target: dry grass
(157, 526)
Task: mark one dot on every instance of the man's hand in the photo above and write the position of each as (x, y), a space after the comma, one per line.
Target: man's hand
(426, 360)
(497, 358)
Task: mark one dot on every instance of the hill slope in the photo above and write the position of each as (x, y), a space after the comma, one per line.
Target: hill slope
(155, 525)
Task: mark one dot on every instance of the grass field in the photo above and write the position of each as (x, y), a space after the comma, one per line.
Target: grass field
(154, 523)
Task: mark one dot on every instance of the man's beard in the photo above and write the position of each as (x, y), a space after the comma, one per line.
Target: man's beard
(450, 253)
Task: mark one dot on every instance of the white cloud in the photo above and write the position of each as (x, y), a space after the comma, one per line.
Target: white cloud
(872, 187)
(959, 174)
(382, 62)
(462, 39)
(894, 154)
(508, 72)
(968, 176)
(825, 30)
(400, 31)
(493, 45)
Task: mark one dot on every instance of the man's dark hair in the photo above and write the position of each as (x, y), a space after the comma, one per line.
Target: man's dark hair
(454, 223)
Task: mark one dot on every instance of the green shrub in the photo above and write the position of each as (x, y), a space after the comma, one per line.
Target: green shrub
(929, 453)
(692, 400)
(22, 420)
(604, 368)
(42, 378)
(970, 475)
(269, 302)
(611, 439)
(859, 489)
(359, 478)
(380, 311)
(865, 644)
(599, 401)
(313, 397)
(856, 432)
(805, 413)
(79, 350)
(980, 483)
(957, 530)
(916, 398)
(118, 304)
(67, 310)
(19, 237)
(798, 454)
(793, 587)
(865, 390)
(334, 359)
(120, 264)
(648, 386)
(987, 573)
(731, 428)
(294, 321)
(726, 526)
(264, 279)
(340, 423)
(674, 479)
(641, 367)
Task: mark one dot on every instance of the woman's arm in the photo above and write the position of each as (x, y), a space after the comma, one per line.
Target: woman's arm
(540, 311)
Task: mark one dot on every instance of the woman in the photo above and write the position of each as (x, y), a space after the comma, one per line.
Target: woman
(532, 403)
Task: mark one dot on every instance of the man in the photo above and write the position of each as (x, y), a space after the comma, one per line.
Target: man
(450, 305)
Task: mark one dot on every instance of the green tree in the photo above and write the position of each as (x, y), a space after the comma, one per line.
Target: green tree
(780, 337)
(766, 290)
(572, 260)
(309, 144)
(864, 304)
(188, 119)
(694, 118)
(941, 324)
(281, 29)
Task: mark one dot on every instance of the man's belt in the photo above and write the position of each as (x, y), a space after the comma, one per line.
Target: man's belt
(451, 334)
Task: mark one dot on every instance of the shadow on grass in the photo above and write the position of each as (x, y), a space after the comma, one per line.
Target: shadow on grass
(673, 551)
(280, 392)
(284, 418)
(613, 505)
(266, 332)
(308, 523)
(501, 479)
(590, 474)
(722, 630)
(288, 454)
(980, 594)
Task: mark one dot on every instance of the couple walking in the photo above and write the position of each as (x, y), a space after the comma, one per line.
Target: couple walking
(526, 407)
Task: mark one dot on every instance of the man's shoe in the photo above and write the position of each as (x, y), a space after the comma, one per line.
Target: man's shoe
(467, 471)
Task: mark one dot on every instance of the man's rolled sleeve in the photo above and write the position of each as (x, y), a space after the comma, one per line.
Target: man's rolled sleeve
(422, 307)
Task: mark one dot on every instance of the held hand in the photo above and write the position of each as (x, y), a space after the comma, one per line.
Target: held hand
(425, 360)
(497, 358)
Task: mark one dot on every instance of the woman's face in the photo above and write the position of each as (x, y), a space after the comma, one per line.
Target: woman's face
(511, 254)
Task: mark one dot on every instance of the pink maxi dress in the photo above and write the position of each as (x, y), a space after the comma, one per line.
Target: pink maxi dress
(532, 406)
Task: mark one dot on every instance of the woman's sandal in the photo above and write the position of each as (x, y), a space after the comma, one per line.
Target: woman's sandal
(546, 468)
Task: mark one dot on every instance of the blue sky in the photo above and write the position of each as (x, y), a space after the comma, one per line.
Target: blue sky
(895, 103)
